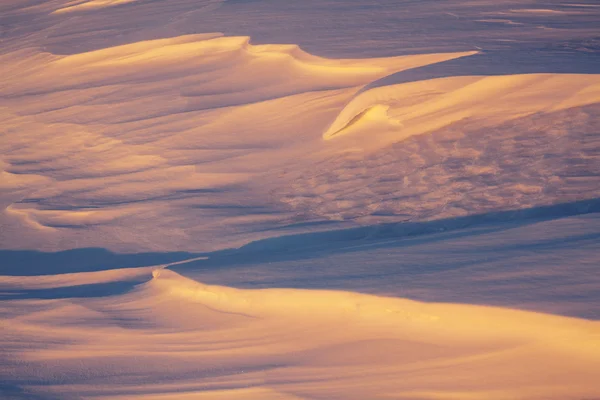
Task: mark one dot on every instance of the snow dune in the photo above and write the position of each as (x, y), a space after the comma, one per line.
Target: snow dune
(426, 106)
(178, 125)
(108, 136)
(154, 144)
(166, 336)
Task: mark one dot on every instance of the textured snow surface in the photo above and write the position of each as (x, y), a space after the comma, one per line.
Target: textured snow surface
(236, 198)
(138, 333)
(165, 135)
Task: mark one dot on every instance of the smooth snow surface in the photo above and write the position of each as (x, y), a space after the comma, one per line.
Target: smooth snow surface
(166, 336)
(329, 159)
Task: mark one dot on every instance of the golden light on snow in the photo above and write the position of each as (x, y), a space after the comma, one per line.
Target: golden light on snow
(217, 342)
(120, 133)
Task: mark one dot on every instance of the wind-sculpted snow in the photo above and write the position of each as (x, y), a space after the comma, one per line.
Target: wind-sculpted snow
(90, 5)
(427, 106)
(111, 138)
(161, 335)
(307, 160)
(142, 141)
(101, 145)
(469, 167)
(539, 259)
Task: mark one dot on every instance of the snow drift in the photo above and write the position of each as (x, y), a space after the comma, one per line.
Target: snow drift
(172, 337)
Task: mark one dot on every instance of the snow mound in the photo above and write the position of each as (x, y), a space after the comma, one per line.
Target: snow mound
(172, 336)
(426, 106)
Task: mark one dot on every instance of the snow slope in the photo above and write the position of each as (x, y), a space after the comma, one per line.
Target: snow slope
(161, 144)
(167, 336)
(362, 199)
(99, 138)
(427, 106)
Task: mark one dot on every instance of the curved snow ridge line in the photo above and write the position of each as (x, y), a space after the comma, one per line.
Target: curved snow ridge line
(440, 318)
(90, 5)
(142, 274)
(191, 46)
(428, 105)
(232, 51)
(370, 98)
(362, 104)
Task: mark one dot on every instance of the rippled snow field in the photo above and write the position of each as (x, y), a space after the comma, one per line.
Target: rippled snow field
(266, 199)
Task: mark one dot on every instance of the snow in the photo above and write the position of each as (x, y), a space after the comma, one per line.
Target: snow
(168, 336)
(291, 200)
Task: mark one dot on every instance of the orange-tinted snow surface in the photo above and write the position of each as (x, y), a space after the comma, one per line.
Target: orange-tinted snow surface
(462, 138)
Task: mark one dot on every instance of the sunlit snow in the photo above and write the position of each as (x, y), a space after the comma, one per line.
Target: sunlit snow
(267, 199)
